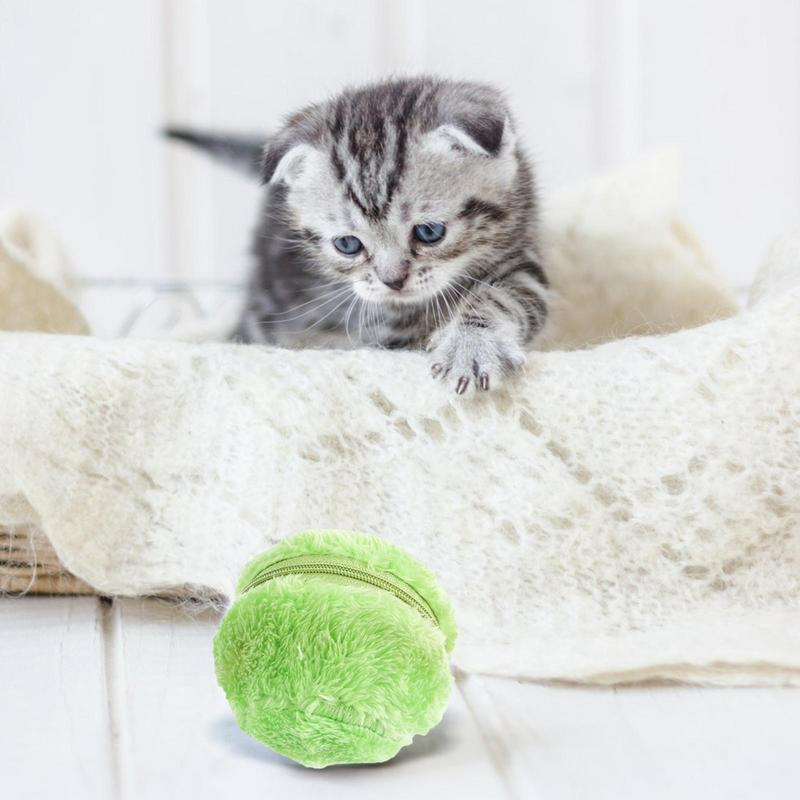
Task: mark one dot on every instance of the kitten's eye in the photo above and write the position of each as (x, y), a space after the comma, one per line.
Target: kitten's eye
(348, 245)
(429, 232)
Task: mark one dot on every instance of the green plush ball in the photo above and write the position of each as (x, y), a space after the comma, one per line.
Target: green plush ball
(335, 650)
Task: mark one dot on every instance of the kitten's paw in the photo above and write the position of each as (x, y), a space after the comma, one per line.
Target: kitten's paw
(464, 356)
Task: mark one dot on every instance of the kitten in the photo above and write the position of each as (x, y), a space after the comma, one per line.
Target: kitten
(399, 214)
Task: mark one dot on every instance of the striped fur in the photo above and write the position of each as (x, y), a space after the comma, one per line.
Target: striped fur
(373, 163)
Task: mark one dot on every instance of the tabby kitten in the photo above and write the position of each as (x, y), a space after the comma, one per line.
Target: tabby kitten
(399, 214)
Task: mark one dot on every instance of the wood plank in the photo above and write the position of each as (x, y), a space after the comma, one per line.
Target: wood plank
(637, 742)
(54, 737)
(183, 740)
(175, 735)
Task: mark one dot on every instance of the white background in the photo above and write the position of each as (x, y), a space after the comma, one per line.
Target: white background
(85, 86)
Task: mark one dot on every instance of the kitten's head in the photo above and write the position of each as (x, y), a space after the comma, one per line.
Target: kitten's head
(401, 187)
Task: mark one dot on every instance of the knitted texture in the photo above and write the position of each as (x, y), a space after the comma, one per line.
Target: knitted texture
(624, 512)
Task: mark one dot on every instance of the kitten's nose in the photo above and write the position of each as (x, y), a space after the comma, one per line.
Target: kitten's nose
(395, 283)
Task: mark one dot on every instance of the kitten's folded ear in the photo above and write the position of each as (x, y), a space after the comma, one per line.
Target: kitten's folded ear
(475, 122)
(284, 161)
(286, 153)
(476, 135)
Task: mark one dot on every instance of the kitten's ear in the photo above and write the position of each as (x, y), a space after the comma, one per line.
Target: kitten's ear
(284, 160)
(287, 153)
(475, 134)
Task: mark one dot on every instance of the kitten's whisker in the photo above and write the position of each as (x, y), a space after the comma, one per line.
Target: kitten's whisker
(481, 283)
(369, 310)
(323, 298)
(467, 298)
(456, 303)
(434, 305)
(347, 317)
(360, 320)
(366, 318)
(372, 320)
(380, 317)
(319, 305)
(317, 286)
(438, 312)
(450, 314)
(322, 319)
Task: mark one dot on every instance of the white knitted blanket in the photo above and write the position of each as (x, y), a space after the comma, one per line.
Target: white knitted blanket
(619, 513)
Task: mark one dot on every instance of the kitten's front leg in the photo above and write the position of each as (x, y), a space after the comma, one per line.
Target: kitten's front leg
(484, 342)
(470, 350)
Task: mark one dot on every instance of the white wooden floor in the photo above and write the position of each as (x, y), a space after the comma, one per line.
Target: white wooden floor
(101, 700)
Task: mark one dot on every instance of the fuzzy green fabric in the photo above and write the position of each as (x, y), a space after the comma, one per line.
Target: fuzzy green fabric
(326, 669)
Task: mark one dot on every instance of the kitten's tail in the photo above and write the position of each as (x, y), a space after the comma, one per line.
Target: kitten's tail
(243, 153)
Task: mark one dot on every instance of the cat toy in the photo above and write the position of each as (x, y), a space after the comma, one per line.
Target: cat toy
(336, 649)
